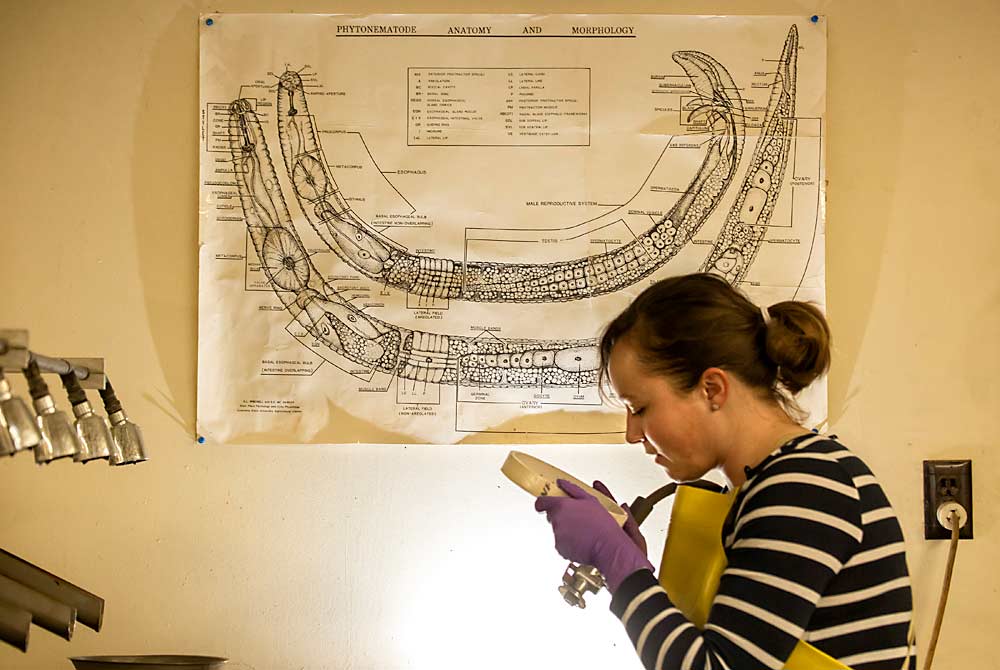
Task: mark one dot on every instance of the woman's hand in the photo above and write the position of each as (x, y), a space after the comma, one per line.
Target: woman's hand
(587, 534)
(631, 526)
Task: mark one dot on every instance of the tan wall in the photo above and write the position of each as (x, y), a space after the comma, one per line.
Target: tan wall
(323, 557)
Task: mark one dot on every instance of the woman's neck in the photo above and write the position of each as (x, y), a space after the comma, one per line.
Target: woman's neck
(760, 430)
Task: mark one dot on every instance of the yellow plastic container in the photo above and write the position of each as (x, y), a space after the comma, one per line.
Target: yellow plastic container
(693, 562)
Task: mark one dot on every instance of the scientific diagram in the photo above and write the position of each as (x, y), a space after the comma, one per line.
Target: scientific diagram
(368, 300)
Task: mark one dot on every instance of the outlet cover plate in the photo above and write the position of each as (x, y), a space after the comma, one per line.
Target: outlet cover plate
(946, 481)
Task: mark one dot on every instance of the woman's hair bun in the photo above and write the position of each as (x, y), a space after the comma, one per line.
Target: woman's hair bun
(798, 342)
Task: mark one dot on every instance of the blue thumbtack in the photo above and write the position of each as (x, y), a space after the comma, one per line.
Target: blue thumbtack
(814, 19)
(201, 438)
(209, 22)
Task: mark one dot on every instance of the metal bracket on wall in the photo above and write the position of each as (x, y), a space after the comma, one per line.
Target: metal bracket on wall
(15, 354)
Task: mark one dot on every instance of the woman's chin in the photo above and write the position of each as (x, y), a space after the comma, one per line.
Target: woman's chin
(676, 472)
(670, 468)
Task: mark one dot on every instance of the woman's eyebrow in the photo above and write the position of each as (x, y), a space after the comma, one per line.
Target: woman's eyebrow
(627, 399)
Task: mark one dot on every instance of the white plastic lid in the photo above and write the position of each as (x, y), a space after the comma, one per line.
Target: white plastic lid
(539, 479)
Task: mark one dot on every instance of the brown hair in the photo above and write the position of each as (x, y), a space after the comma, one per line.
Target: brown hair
(684, 325)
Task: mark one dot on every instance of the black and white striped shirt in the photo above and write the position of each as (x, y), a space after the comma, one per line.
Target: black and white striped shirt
(814, 552)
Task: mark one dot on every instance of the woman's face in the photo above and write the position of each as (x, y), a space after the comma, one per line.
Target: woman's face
(672, 425)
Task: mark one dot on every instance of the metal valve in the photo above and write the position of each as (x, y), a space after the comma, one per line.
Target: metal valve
(577, 580)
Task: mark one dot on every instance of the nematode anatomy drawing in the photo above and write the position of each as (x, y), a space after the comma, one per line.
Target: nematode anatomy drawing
(739, 241)
(378, 346)
(362, 339)
(381, 259)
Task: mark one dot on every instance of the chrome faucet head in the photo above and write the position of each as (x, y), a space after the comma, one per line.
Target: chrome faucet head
(17, 419)
(6, 441)
(127, 434)
(94, 433)
(59, 439)
(92, 429)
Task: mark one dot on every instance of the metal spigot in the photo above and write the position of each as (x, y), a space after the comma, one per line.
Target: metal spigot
(127, 434)
(6, 441)
(59, 439)
(93, 430)
(17, 419)
(577, 581)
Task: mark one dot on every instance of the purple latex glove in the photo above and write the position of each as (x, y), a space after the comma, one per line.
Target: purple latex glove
(587, 534)
(631, 527)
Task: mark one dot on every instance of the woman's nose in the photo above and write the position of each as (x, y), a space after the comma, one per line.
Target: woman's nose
(633, 429)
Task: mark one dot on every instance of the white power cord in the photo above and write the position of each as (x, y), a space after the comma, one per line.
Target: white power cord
(950, 515)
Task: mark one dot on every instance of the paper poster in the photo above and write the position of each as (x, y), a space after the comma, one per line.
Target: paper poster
(414, 227)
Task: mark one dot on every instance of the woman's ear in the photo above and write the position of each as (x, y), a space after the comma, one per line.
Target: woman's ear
(714, 385)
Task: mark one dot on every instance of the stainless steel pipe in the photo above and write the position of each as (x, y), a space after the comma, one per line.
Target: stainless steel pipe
(50, 614)
(15, 625)
(89, 608)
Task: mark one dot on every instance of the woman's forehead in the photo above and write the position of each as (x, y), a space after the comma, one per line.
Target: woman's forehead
(627, 371)
(624, 358)
(632, 376)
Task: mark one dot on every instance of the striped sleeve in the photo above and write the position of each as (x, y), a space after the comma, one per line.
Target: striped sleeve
(797, 523)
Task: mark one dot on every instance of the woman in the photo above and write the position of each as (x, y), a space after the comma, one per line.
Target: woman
(814, 550)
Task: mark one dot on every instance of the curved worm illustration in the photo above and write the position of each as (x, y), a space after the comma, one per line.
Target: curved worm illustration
(379, 258)
(466, 361)
(739, 240)
(360, 338)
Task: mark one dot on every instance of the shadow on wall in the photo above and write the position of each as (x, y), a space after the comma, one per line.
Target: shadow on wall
(863, 157)
(165, 193)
